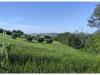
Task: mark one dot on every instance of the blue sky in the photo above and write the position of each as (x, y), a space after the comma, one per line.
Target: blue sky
(44, 17)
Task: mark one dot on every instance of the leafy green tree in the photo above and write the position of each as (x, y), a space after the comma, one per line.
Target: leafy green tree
(94, 20)
(49, 41)
(76, 40)
(40, 39)
(1, 30)
(20, 33)
(47, 37)
(14, 35)
(28, 37)
(8, 32)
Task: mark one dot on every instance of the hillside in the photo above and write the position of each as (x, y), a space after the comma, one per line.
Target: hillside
(33, 57)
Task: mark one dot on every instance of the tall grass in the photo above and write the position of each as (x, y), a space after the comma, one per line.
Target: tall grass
(33, 57)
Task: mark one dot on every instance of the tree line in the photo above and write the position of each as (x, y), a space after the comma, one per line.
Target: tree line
(20, 34)
(90, 42)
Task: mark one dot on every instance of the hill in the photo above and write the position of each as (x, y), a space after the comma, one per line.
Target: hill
(33, 57)
(48, 34)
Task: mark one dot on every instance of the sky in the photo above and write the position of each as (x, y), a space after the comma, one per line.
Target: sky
(46, 17)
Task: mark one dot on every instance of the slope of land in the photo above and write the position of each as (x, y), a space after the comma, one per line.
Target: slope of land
(33, 57)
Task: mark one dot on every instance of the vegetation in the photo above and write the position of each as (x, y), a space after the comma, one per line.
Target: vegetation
(40, 39)
(1, 30)
(49, 41)
(8, 32)
(94, 20)
(76, 40)
(29, 37)
(65, 53)
(25, 57)
(14, 35)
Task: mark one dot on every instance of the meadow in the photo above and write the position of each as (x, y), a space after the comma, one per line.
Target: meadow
(33, 57)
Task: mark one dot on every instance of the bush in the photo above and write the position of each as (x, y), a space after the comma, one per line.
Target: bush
(47, 37)
(63, 38)
(29, 37)
(18, 32)
(14, 35)
(92, 44)
(49, 41)
(1, 30)
(76, 40)
(40, 39)
(8, 32)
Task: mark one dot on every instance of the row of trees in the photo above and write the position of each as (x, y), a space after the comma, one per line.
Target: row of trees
(81, 40)
(39, 38)
(20, 34)
(76, 40)
(14, 33)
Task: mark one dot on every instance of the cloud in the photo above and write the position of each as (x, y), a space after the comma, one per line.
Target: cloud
(17, 19)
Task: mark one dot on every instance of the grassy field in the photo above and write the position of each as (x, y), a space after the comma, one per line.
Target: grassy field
(33, 57)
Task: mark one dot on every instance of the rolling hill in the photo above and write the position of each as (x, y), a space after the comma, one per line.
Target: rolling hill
(33, 57)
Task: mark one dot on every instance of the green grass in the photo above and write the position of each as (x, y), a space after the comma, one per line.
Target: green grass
(33, 57)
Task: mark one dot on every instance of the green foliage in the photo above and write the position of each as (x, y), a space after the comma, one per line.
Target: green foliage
(27, 57)
(91, 44)
(49, 41)
(47, 37)
(63, 38)
(76, 40)
(8, 32)
(14, 35)
(5, 50)
(40, 39)
(17, 33)
(94, 20)
(1, 30)
(28, 37)
(20, 33)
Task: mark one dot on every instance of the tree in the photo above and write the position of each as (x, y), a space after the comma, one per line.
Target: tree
(76, 41)
(14, 31)
(1, 30)
(20, 33)
(28, 37)
(14, 35)
(8, 32)
(47, 37)
(40, 39)
(94, 20)
(49, 41)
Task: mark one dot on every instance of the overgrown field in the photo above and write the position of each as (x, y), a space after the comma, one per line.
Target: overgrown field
(33, 57)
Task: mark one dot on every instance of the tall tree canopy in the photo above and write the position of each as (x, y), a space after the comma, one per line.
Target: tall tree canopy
(94, 20)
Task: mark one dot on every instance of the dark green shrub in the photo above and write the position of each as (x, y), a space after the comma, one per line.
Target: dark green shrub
(40, 39)
(28, 37)
(91, 44)
(18, 32)
(49, 41)
(76, 40)
(47, 37)
(8, 32)
(14, 35)
(1, 30)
